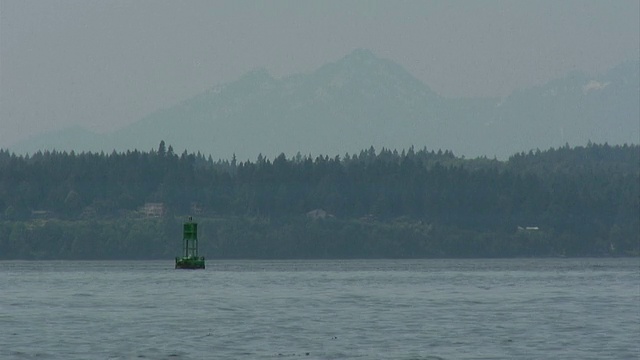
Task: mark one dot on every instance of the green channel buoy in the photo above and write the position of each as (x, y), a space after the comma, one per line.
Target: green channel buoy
(190, 258)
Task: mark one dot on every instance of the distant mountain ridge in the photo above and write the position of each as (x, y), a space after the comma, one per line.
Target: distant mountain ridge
(362, 101)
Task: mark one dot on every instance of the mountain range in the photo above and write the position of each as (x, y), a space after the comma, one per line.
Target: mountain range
(362, 101)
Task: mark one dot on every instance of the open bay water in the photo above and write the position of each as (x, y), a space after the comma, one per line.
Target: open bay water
(322, 309)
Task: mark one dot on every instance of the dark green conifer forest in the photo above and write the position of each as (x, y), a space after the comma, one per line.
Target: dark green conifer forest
(570, 201)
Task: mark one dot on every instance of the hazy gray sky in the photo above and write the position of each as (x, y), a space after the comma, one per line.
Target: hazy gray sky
(104, 64)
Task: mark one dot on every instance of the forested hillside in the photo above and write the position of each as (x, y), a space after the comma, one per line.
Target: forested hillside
(581, 201)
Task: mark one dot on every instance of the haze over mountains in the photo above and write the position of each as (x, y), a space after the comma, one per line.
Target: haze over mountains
(362, 101)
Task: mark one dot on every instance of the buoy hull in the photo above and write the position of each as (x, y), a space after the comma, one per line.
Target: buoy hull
(192, 263)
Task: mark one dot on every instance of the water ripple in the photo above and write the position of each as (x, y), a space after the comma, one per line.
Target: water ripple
(360, 309)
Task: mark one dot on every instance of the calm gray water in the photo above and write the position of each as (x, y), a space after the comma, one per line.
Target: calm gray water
(359, 309)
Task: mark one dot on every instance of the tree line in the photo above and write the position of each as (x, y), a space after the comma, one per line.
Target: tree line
(571, 201)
